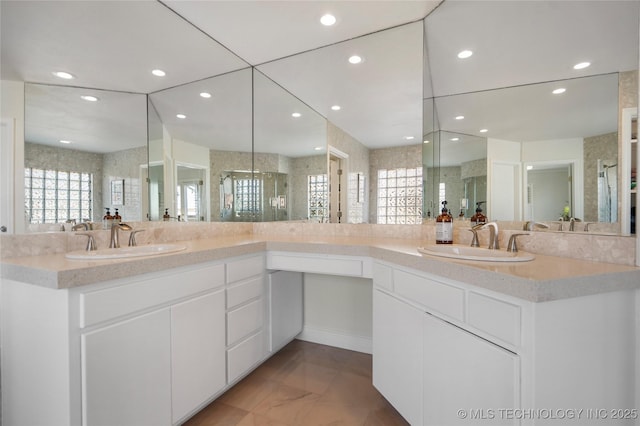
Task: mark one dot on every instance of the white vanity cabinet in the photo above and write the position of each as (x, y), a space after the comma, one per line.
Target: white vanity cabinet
(427, 363)
(246, 315)
(152, 350)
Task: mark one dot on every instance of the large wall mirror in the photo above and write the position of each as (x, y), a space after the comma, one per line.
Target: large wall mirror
(541, 155)
(99, 135)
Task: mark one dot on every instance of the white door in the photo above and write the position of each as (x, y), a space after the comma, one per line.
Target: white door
(397, 354)
(467, 380)
(126, 372)
(198, 352)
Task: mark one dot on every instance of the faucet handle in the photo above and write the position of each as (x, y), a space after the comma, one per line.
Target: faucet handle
(132, 237)
(91, 242)
(512, 246)
(474, 241)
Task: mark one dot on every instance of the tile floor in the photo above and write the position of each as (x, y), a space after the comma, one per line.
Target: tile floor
(305, 384)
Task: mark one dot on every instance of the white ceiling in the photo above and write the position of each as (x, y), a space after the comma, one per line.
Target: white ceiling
(114, 45)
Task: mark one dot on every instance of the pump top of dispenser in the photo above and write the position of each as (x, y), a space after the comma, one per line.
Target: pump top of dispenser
(444, 207)
(478, 218)
(108, 213)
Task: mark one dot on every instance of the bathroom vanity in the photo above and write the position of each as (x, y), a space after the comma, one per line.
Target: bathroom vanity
(153, 340)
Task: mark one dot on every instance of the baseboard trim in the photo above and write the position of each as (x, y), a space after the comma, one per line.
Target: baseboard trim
(338, 340)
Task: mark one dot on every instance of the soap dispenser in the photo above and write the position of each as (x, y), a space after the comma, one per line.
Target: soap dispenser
(107, 219)
(116, 217)
(444, 226)
(166, 216)
(478, 218)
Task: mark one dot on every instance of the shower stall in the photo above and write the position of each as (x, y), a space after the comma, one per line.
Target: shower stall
(607, 192)
(253, 197)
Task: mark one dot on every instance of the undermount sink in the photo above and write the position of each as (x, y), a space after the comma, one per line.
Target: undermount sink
(457, 251)
(125, 252)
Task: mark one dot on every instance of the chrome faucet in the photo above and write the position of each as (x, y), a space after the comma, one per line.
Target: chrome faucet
(531, 225)
(474, 240)
(572, 223)
(561, 219)
(115, 228)
(493, 235)
(82, 225)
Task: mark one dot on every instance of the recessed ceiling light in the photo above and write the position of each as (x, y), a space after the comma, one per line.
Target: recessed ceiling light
(89, 98)
(409, 138)
(318, 148)
(529, 167)
(181, 116)
(465, 54)
(559, 91)
(158, 73)
(64, 74)
(355, 59)
(484, 130)
(205, 95)
(426, 141)
(336, 107)
(65, 142)
(460, 117)
(328, 20)
(296, 115)
(581, 65)
(454, 139)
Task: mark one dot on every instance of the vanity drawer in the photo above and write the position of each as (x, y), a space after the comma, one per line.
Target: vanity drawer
(244, 291)
(244, 355)
(101, 305)
(433, 295)
(316, 264)
(244, 320)
(244, 268)
(383, 276)
(498, 318)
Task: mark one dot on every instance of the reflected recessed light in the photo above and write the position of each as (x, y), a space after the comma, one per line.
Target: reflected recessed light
(89, 98)
(581, 65)
(426, 141)
(181, 116)
(336, 107)
(465, 54)
(205, 95)
(454, 139)
(559, 91)
(158, 73)
(328, 20)
(355, 59)
(484, 130)
(529, 167)
(296, 115)
(64, 74)
(317, 148)
(65, 142)
(409, 138)
(460, 117)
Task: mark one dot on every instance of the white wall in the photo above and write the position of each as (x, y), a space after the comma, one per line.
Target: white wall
(338, 311)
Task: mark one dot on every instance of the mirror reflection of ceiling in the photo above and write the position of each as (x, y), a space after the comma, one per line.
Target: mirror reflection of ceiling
(114, 123)
(114, 45)
(221, 121)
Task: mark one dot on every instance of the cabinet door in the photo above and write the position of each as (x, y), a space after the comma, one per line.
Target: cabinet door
(285, 308)
(465, 372)
(126, 372)
(197, 352)
(397, 354)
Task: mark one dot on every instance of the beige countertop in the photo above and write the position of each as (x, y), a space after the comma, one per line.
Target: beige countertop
(544, 279)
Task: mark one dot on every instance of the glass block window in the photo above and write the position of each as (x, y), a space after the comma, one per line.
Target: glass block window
(248, 197)
(442, 194)
(400, 196)
(318, 197)
(53, 196)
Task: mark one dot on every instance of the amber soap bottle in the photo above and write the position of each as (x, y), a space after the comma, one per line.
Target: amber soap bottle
(444, 226)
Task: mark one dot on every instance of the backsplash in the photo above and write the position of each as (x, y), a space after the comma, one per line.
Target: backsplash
(579, 245)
